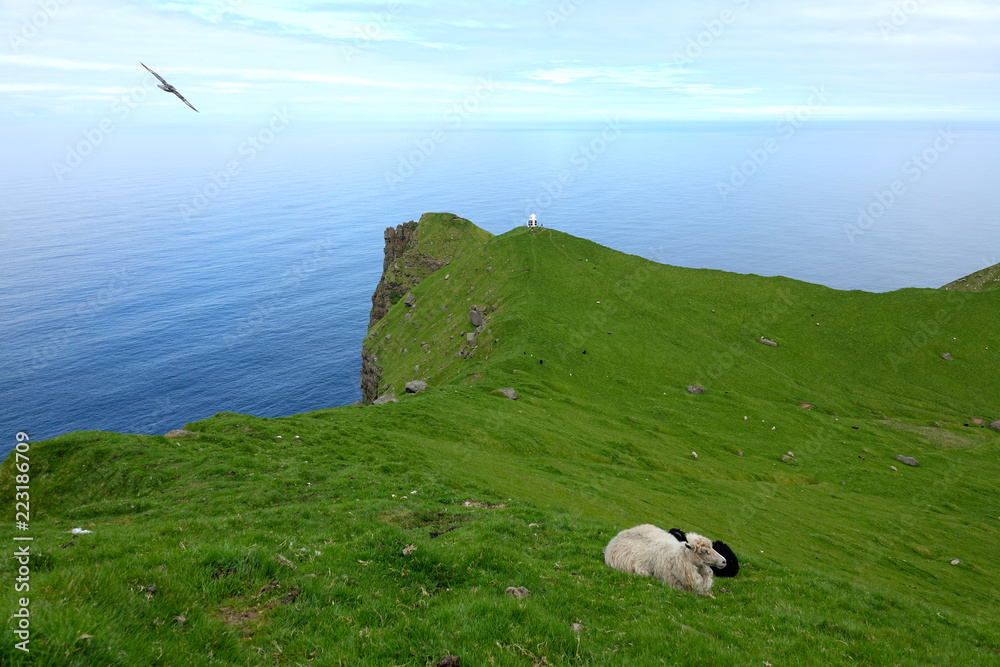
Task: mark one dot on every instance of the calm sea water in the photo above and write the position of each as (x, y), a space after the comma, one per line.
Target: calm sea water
(149, 287)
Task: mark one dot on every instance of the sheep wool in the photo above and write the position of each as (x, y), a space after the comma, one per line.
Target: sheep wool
(652, 552)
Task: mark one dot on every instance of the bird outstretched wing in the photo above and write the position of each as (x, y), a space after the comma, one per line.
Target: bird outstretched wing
(162, 80)
(185, 101)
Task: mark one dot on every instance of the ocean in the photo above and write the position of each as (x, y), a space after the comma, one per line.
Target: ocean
(154, 276)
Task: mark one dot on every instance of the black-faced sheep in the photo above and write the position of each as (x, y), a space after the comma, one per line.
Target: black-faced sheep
(652, 552)
(732, 567)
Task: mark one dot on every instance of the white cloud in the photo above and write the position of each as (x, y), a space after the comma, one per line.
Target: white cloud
(241, 54)
(58, 63)
(657, 78)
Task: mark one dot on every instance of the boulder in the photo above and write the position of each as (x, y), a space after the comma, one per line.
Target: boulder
(696, 389)
(414, 386)
(908, 460)
(946, 357)
(386, 398)
(995, 425)
(410, 300)
(178, 433)
(449, 661)
(470, 337)
(768, 341)
(475, 317)
(509, 393)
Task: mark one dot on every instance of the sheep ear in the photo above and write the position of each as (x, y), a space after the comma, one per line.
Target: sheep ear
(688, 545)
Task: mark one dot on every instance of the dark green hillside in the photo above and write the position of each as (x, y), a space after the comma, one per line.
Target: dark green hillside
(281, 541)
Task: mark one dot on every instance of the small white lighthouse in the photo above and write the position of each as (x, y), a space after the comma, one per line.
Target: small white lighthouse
(532, 221)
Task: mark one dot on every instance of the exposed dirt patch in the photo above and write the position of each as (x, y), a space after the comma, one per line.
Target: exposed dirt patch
(266, 588)
(293, 595)
(229, 616)
(408, 520)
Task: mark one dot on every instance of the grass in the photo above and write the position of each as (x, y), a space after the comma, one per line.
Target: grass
(986, 279)
(268, 550)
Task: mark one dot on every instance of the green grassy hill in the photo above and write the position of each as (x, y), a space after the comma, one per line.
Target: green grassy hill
(290, 541)
(987, 279)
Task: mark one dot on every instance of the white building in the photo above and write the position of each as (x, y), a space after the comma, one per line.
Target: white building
(532, 221)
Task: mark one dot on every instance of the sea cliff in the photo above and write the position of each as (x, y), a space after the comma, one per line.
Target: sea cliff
(413, 251)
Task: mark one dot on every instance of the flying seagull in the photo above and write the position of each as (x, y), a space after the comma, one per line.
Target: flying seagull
(167, 87)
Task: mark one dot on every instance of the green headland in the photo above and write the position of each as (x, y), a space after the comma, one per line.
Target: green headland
(387, 534)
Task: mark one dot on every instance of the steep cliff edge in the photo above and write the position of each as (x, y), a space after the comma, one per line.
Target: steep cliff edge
(413, 251)
(397, 279)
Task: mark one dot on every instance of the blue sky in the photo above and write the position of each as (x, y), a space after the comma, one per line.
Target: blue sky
(518, 62)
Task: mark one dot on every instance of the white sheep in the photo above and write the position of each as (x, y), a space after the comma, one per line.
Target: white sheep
(653, 552)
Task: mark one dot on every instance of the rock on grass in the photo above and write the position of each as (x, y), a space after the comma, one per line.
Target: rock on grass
(414, 386)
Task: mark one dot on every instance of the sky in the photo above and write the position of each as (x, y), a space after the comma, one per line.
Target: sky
(519, 62)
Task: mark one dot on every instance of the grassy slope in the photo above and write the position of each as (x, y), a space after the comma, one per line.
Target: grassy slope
(846, 561)
(441, 237)
(986, 279)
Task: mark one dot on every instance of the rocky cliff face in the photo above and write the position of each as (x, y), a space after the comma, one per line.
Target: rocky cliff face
(371, 376)
(404, 267)
(397, 242)
(413, 251)
(390, 288)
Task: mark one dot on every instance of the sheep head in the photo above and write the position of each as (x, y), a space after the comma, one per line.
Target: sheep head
(700, 552)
